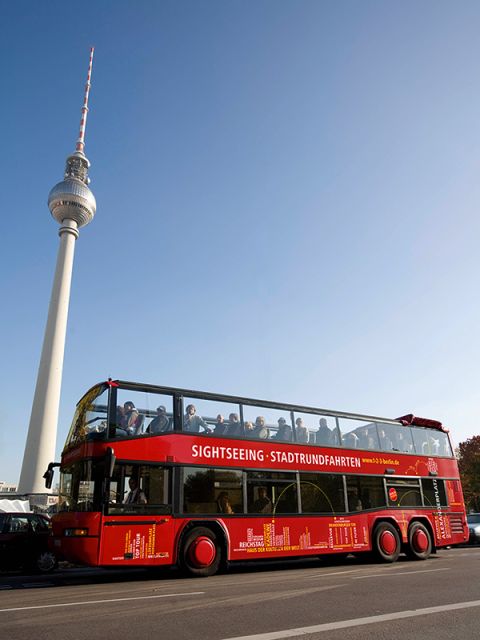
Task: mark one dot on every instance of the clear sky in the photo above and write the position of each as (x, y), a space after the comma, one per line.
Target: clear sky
(287, 195)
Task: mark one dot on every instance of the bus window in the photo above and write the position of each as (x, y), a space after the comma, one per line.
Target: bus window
(387, 434)
(275, 424)
(404, 493)
(211, 490)
(212, 417)
(139, 488)
(270, 492)
(322, 493)
(395, 437)
(90, 420)
(420, 440)
(434, 493)
(139, 412)
(81, 486)
(359, 435)
(365, 492)
(438, 443)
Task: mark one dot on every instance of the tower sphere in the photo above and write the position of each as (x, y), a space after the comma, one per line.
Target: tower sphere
(72, 199)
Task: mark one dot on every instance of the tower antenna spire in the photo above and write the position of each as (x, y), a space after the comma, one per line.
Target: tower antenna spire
(80, 146)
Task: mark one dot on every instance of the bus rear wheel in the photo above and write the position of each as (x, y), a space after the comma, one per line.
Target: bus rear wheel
(386, 542)
(201, 554)
(419, 542)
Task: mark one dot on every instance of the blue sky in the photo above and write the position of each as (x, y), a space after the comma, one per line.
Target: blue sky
(287, 202)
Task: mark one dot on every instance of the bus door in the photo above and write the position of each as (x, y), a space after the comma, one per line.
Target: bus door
(137, 526)
(136, 540)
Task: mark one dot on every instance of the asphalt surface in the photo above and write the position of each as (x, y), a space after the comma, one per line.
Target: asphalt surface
(435, 599)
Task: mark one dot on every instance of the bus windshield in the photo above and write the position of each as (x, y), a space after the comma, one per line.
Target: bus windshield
(90, 416)
(81, 486)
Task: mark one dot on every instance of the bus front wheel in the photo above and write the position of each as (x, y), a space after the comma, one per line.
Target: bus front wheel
(419, 542)
(386, 542)
(201, 554)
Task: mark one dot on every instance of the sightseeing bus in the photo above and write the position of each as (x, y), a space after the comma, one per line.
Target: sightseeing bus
(158, 476)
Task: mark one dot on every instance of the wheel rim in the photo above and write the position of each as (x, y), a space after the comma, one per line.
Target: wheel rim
(388, 542)
(420, 541)
(202, 552)
(46, 561)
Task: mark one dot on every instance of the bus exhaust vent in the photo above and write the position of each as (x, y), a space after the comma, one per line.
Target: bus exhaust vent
(456, 524)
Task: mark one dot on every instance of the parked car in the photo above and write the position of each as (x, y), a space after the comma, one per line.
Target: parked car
(473, 520)
(24, 542)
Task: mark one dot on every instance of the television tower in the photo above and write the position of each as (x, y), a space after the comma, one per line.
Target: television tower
(73, 205)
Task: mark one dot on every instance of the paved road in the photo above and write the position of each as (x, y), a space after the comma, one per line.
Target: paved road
(437, 599)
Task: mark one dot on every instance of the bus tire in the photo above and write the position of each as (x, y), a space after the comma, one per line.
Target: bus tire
(386, 542)
(44, 562)
(201, 553)
(420, 544)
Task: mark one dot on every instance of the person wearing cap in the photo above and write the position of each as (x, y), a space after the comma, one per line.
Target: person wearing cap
(160, 423)
(284, 433)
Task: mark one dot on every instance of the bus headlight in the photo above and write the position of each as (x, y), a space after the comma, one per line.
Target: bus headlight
(74, 533)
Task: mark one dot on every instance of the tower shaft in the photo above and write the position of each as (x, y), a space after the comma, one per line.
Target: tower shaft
(42, 431)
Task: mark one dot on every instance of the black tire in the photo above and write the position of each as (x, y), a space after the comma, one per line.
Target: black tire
(44, 562)
(201, 554)
(419, 542)
(386, 542)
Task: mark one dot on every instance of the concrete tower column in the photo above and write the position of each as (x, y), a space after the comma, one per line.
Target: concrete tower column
(42, 431)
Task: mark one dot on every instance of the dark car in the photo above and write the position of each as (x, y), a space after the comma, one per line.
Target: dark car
(24, 542)
(473, 520)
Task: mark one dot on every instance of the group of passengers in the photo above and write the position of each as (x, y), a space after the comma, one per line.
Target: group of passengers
(130, 421)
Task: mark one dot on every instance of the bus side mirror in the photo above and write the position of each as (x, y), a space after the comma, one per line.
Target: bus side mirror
(110, 460)
(48, 475)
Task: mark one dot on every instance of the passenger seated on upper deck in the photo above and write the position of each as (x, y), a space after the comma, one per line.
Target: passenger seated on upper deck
(260, 430)
(301, 431)
(249, 429)
(350, 440)
(160, 423)
(363, 439)
(403, 444)
(385, 442)
(434, 445)
(324, 435)
(284, 433)
(192, 422)
(132, 421)
(220, 426)
(235, 426)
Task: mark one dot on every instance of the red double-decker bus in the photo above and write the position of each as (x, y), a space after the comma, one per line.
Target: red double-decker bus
(158, 476)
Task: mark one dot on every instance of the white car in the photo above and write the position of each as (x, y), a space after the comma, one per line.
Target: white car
(473, 520)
